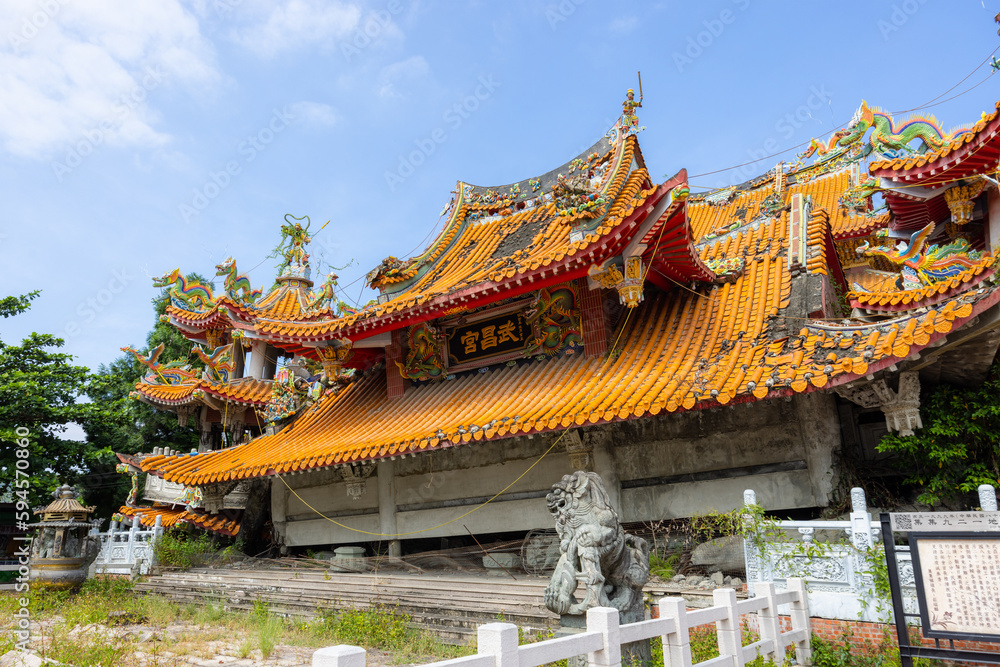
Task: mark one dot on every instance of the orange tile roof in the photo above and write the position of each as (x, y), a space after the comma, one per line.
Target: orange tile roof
(885, 297)
(247, 391)
(171, 517)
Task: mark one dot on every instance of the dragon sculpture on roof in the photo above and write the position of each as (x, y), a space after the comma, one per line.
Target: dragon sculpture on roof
(887, 138)
(237, 285)
(927, 264)
(192, 295)
(174, 372)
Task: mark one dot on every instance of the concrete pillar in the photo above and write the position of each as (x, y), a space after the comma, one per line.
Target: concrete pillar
(270, 363)
(819, 429)
(205, 428)
(257, 359)
(387, 504)
(279, 508)
(239, 357)
(395, 382)
(592, 320)
(993, 222)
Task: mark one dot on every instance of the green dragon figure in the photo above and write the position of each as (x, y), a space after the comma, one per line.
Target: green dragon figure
(237, 286)
(425, 361)
(886, 139)
(191, 296)
(557, 319)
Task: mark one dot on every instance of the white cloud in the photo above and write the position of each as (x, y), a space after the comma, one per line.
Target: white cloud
(297, 23)
(313, 113)
(70, 70)
(402, 74)
(624, 25)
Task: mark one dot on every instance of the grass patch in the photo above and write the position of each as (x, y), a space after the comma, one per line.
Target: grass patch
(663, 566)
(176, 548)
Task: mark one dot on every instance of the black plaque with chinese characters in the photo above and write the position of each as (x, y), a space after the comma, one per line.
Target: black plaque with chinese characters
(486, 338)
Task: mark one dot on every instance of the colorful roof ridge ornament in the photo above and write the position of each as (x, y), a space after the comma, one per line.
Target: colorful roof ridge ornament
(887, 139)
(236, 284)
(930, 264)
(192, 296)
(630, 121)
(219, 363)
(292, 248)
(174, 372)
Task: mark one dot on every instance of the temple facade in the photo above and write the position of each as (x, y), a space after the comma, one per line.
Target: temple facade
(685, 347)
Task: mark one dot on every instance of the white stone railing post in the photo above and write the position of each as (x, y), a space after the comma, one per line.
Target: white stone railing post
(727, 630)
(339, 656)
(769, 622)
(987, 498)
(861, 520)
(500, 641)
(605, 621)
(676, 645)
(799, 615)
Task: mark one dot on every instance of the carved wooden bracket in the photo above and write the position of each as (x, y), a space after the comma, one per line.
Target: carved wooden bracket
(901, 408)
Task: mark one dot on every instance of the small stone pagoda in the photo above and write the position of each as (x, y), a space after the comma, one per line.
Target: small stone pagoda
(63, 549)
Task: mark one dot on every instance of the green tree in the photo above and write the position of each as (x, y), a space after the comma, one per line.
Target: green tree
(130, 426)
(959, 446)
(39, 391)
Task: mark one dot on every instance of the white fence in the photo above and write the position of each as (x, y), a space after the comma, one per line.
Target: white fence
(603, 638)
(128, 551)
(838, 577)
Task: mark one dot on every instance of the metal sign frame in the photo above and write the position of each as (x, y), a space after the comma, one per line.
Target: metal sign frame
(907, 650)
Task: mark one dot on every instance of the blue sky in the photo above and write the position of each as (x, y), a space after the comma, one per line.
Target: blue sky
(139, 137)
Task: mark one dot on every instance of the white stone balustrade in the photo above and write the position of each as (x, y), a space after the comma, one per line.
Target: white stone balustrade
(838, 576)
(128, 551)
(604, 637)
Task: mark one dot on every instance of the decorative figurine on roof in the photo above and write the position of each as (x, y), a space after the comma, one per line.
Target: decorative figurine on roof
(596, 551)
(126, 469)
(237, 285)
(887, 139)
(326, 295)
(192, 296)
(292, 248)
(857, 198)
(576, 197)
(287, 396)
(389, 269)
(557, 319)
(174, 372)
(219, 364)
(932, 263)
(630, 121)
(425, 360)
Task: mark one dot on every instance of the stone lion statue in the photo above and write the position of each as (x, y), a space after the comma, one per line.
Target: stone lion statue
(611, 564)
